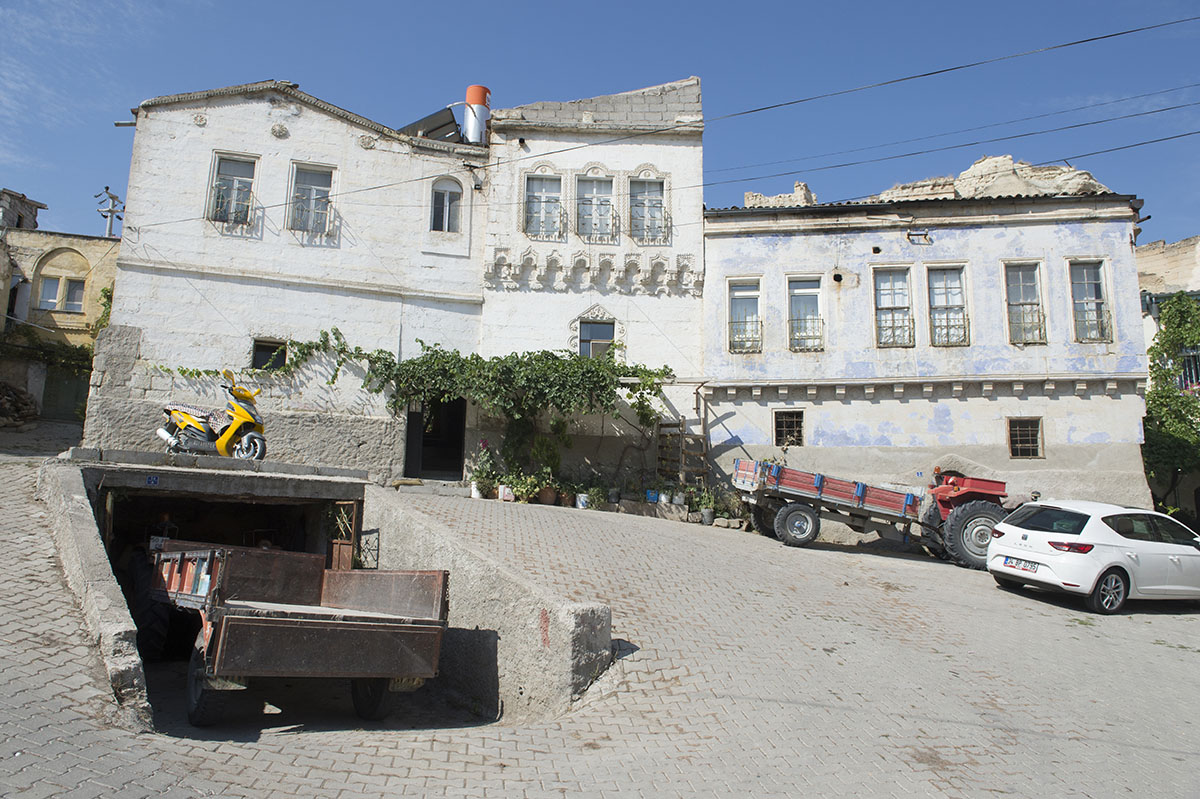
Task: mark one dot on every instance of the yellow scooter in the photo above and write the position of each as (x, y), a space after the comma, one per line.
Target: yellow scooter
(236, 432)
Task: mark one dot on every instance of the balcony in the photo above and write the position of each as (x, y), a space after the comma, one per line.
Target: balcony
(1026, 324)
(950, 329)
(599, 224)
(548, 226)
(652, 231)
(894, 330)
(1092, 325)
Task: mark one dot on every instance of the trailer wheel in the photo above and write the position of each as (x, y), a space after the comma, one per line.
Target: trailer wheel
(967, 531)
(372, 700)
(203, 704)
(151, 617)
(797, 524)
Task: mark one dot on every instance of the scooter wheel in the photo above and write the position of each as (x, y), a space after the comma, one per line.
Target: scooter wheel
(251, 446)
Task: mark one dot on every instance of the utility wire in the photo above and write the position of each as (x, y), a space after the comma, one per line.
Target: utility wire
(736, 114)
(955, 132)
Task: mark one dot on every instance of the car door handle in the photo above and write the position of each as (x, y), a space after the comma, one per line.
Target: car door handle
(1173, 558)
(1131, 555)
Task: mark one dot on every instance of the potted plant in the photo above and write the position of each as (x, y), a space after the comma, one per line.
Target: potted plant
(485, 474)
(341, 538)
(707, 501)
(678, 496)
(596, 496)
(547, 493)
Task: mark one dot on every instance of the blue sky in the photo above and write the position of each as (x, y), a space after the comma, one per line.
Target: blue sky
(69, 68)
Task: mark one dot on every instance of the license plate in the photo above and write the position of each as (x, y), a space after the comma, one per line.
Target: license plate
(1023, 565)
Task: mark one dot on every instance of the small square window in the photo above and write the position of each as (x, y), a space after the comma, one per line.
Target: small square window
(789, 428)
(1025, 438)
(595, 338)
(269, 354)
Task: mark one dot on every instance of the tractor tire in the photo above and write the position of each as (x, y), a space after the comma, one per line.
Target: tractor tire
(967, 531)
(763, 520)
(931, 536)
(152, 618)
(797, 524)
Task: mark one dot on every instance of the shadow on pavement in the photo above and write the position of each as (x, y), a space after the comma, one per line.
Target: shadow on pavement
(41, 438)
(1134, 607)
(292, 706)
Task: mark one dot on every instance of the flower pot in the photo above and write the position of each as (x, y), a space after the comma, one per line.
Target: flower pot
(505, 493)
(707, 515)
(475, 492)
(547, 495)
(566, 499)
(651, 495)
(679, 499)
(581, 501)
(614, 496)
(664, 498)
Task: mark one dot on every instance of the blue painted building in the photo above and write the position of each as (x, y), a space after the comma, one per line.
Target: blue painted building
(987, 323)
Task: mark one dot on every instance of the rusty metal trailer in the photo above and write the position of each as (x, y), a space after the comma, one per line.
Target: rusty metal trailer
(790, 503)
(270, 613)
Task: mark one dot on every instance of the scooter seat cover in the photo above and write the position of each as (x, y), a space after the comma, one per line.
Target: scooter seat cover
(217, 420)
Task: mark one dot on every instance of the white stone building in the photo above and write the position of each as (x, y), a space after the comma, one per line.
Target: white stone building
(987, 323)
(258, 214)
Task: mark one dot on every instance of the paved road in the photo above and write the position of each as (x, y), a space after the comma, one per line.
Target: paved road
(745, 667)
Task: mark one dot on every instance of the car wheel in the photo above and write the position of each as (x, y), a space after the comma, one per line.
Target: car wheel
(1110, 593)
(967, 531)
(797, 524)
(1006, 583)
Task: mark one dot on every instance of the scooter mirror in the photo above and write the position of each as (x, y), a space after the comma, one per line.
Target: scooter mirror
(228, 375)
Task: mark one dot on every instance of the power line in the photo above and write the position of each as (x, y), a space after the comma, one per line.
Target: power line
(955, 132)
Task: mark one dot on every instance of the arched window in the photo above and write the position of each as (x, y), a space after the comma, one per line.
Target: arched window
(447, 196)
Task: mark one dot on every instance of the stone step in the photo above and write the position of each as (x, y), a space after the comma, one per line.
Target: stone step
(442, 488)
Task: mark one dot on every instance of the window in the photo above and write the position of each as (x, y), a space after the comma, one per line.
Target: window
(1047, 519)
(1172, 532)
(893, 313)
(543, 208)
(310, 200)
(1133, 526)
(1087, 296)
(447, 197)
(948, 323)
(806, 329)
(48, 299)
(745, 329)
(74, 298)
(1025, 438)
(1026, 325)
(595, 338)
(232, 192)
(269, 354)
(594, 210)
(789, 428)
(648, 222)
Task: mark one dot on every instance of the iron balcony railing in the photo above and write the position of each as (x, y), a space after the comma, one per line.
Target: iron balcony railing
(951, 329)
(745, 336)
(1092, 325)
(598, 223)
(1026, 325)
(550, 226)
(806, 334)
(652, 230)
(310, 214)
(894, 331)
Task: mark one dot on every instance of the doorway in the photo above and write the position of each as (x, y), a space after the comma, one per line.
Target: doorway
(436, 434)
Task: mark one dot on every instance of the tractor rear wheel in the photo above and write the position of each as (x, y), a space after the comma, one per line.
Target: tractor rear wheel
(967, 531)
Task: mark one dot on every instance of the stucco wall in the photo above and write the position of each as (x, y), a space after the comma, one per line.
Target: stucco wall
(1164, 267)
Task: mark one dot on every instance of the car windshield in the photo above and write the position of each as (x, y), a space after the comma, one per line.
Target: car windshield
(1045, 519)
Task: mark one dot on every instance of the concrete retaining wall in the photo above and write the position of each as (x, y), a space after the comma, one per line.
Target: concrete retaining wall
(512, 649)
(89, 575)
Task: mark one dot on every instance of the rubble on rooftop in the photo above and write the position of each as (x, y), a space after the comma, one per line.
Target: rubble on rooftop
(998, 176)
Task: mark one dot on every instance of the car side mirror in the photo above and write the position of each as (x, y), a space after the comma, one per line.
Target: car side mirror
(1196, 542)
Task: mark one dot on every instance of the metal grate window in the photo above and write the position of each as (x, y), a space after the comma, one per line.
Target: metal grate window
(1087, 296)
(1189, 372)
(1026, 322)
(893, 311)
(233, 192)
(1025, 438)
(545, 218)
(948, 322)
(789, 428)
(649, 222)
(806, 329)
(595, 216)
(310, 200)
(745, 328)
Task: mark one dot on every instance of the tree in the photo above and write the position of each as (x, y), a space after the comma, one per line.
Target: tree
(1172, 424)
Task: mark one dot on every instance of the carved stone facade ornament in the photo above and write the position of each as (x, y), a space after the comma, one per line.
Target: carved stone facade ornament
(607, 272)
(279, 130)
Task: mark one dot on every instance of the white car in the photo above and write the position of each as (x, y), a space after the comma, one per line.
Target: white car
(1105, 552)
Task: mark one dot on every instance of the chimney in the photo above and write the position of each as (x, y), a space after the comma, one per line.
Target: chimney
(477, 114)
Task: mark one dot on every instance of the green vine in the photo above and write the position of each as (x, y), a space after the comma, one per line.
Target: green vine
(23, 344)
(106, 301)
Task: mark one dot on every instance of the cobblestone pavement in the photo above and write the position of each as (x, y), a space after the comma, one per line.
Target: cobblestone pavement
(745, 667)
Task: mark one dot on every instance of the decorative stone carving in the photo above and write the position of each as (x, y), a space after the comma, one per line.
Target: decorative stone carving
(280, 131)
(199, 120)
(597, 313)
(367, 142)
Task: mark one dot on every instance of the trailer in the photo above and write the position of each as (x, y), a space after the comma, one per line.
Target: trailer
(953, 522)
(270, 613)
